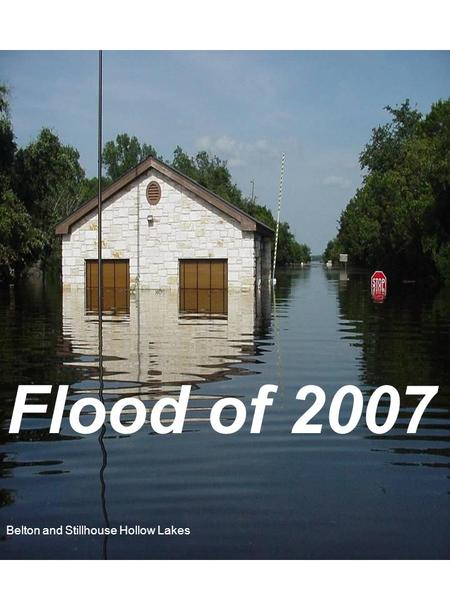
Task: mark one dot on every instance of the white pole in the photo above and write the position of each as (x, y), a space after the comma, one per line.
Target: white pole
(280, 195)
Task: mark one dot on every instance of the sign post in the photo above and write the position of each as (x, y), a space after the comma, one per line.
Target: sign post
(378, 286)
(343, 258)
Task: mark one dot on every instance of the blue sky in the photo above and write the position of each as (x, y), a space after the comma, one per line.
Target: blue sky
(246, 107)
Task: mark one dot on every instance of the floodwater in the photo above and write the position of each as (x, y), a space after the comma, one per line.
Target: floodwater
(268, 495)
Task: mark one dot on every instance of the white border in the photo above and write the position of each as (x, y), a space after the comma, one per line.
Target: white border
(226, 580)
(234, 24)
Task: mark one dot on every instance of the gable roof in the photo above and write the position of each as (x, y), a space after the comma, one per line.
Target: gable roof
(245, 221)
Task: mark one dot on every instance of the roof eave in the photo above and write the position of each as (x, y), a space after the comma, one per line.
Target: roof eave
(246, 222)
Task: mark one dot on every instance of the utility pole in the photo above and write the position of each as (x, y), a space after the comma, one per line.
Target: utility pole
(99, 175)
(253, 191)
(102, 431)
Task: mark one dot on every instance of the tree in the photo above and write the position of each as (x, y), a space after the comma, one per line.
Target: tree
(213, 173)
(399, 219)
(89, 188)
(7, 143)
(124, 154)
(387, 146)
(435, 136)
(210, 171)
(332, 251)
(48, 180)
(20, 242)
(43, 182)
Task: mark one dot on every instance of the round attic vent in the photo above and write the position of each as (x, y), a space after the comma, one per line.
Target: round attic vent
(153, 192)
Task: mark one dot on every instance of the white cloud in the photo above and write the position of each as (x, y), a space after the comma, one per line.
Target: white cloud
(237, 152)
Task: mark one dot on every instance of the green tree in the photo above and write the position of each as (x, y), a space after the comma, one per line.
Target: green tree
(48, 180)
(89, 188)
(20, 241)
(399, 219)
(123, 154)
(387, 147)
(213, 173)
(210, 171)
(7, 143)
(435, 137)
(332, 251)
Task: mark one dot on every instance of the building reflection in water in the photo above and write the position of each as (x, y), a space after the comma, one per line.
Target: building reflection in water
(149, 347)
(154, 347)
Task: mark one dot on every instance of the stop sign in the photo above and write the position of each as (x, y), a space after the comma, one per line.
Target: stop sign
(378, 286)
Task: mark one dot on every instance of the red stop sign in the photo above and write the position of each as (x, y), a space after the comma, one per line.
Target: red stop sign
(378, 286)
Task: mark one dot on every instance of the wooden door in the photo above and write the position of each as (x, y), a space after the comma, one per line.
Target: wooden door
(204, 286)
(116, 286)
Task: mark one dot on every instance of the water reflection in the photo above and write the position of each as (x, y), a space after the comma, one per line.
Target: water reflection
(155, 348)
(403, 342)
(166, 346)
(148, 353)
(273, 495)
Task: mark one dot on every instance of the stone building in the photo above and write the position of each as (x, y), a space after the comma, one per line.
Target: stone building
(163, 231)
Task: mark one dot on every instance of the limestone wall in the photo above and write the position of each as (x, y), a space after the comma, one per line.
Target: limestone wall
(183, 226)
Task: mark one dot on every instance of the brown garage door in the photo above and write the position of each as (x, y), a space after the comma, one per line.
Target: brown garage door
(116, 286)
(204, 286)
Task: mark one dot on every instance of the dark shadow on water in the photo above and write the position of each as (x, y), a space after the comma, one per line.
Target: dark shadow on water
(404, 341)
